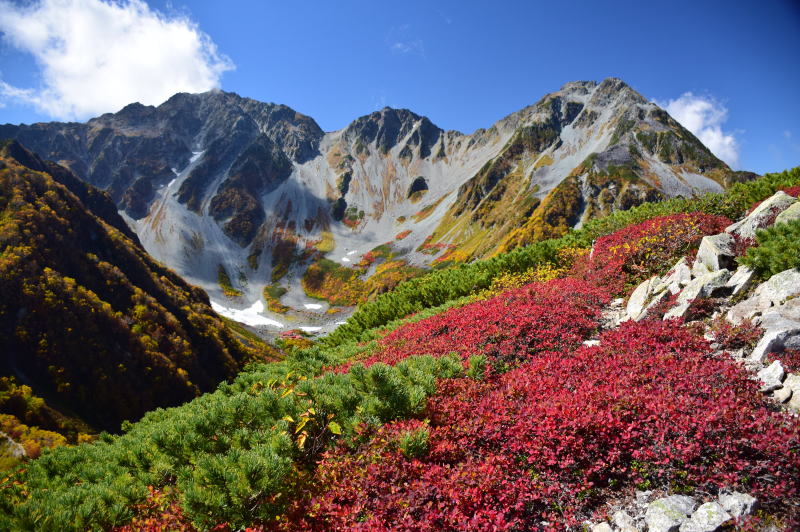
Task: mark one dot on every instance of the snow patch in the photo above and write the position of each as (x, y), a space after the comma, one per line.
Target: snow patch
(249, 316)
(310, 329)
(313, 306)
(351, 252)
(195, 155)
(345, 259)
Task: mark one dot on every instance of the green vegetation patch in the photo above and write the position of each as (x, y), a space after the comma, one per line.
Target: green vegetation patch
(224, 281)
(252, 440)
(272, 295)
(777, 249)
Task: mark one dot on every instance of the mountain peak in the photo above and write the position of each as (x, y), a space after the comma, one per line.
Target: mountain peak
(387, 127)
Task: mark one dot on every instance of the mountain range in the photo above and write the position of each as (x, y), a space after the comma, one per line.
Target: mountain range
(249, 199)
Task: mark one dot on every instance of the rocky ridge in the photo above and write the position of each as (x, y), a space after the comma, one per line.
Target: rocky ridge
(216, 183)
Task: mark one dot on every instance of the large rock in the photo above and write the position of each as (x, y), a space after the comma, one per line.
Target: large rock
(772, 341)
(783, 394)
(740, 280)
(624, 522)
(782, 329)
(669, 513)
(738, 504)
(709, 517)
(639, 297)
(715, 252)
(790, 214)
(775, 291)
(703, 286)
(794, 402)
(762, 216)
(792, 381)
(602, 527)
(678, 276)
(771, 377)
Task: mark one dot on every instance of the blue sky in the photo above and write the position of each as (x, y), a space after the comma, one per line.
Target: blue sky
(463, 64)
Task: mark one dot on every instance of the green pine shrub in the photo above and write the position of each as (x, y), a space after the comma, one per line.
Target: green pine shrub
(777, 249)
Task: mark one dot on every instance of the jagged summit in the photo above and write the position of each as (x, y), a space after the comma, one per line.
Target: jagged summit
(217, 182)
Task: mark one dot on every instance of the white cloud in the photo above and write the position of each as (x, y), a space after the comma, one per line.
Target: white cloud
(97, 56)
(704, 116)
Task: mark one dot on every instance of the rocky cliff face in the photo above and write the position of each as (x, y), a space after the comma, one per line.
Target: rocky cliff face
(217, 183)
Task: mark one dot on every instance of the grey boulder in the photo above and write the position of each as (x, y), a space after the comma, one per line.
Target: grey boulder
(669, 513)
(709, 517)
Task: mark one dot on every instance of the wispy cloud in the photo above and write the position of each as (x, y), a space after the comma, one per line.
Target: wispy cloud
(96, 56)
(401, 41)
(704, 117)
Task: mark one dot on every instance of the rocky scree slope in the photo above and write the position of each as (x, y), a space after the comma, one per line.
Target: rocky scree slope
(217, 184)
(88, 320)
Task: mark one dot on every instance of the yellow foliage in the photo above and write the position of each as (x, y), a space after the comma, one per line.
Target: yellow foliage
(326, 243)
(510, 280)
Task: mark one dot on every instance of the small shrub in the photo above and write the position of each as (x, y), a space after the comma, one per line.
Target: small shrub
(414, 444)
(729, 336)
(777, 249)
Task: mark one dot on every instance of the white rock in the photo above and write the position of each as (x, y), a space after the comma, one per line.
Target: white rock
(668, 513)
(794, 402)
(677, 277)
(782, 394)
(624, 522)
(773, 340)
(591, 343)
(775, 291)
(639, 297)
(792, 381)
(740, 280)
(602, 527)
(702, 286)
(738, 504)
(780, 287)
(790, 214)
(782, 317)
(707, 518)
(771, 377)
(716, 252)
(758, 219)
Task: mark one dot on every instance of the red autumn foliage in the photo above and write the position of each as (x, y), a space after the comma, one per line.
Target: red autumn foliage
(512, 326)
(550, 439)
(790, 359)
(542, 441)
(639, 251)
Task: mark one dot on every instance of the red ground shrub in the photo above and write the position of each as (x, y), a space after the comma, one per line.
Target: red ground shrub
(550, 439)
(633, 254)
(550, 316)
